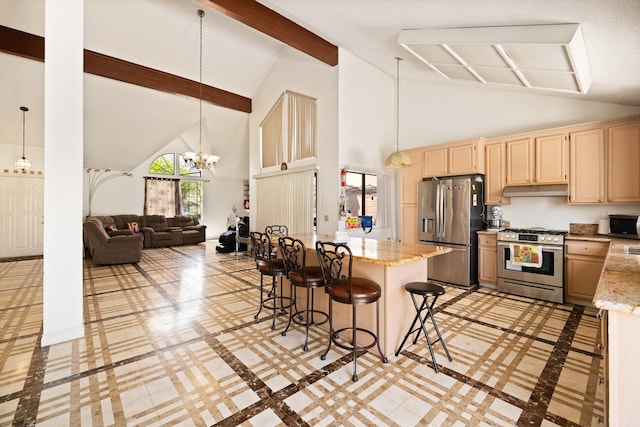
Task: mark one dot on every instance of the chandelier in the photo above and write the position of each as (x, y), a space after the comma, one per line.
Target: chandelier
(200, 160)
(22, 162)
(397, 159)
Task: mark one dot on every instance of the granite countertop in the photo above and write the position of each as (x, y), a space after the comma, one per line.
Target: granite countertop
(619, 285)
(382, 252)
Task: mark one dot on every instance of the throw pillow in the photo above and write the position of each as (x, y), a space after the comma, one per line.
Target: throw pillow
(133, 226)
(110, 228)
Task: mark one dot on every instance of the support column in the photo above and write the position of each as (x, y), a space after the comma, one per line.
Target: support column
(63, 159)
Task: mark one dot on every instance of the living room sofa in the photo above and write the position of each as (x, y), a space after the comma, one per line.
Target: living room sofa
(125, 247)
(158, 231)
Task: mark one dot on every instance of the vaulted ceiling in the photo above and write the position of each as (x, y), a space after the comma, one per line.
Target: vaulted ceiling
(163, 35)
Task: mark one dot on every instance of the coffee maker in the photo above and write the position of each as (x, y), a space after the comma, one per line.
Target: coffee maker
(496, 217)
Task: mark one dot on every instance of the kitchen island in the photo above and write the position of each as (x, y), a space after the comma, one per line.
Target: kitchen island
(392, 265)
(618, 292)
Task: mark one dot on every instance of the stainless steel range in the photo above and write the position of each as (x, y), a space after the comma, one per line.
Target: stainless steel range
(531, 263)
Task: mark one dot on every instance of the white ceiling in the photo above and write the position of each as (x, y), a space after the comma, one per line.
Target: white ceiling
(163, 34)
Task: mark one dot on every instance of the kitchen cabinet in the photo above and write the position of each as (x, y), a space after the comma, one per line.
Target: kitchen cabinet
(459, 158)
(583, 265)
(495, 170)
(537, 160)
(623, 164)
(409, 178)
(488, 258)
(587, 166)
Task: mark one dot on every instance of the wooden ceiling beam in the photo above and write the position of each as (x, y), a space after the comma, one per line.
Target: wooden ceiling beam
(271, 23)
(30, 46)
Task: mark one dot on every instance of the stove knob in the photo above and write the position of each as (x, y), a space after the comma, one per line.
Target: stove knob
(542, 238)
(556, 239)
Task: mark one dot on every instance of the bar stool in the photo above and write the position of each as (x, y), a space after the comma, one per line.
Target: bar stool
(294, 254)
(426, 290)
(275, 232)
(346, 289)
(267, 265)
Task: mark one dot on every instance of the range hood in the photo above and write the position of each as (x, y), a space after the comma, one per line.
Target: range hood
(539, 190)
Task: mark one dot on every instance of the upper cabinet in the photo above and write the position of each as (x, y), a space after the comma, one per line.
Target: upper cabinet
(409, 178)
(623, 164)
(495, 173)
(460, 158)
(537, 160)
(586, 154)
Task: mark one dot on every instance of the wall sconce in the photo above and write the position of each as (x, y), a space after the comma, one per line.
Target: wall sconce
(97, 177)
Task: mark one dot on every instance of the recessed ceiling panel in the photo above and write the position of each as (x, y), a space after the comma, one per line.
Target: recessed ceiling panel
(539, 57)
(503, 76)
(455, 72)
(479, 55)
(552, 80)
(549, 57)
(436, 54)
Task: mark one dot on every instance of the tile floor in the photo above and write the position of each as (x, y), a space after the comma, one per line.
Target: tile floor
(172, 341)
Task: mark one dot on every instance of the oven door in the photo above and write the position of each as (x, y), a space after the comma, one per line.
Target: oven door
(549, 273)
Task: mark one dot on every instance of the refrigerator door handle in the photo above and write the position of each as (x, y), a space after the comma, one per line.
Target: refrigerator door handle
(438, 203)
(442, 207)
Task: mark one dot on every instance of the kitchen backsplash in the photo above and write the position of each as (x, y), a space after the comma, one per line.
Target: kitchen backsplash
(555, 213)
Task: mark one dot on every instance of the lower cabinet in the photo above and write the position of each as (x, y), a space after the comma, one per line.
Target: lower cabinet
(487, 258)
(583, 265)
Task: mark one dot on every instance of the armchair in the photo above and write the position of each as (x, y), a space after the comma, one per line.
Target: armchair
(105, 249)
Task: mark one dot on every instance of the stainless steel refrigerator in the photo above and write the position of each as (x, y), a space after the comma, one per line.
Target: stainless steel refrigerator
(450, 212)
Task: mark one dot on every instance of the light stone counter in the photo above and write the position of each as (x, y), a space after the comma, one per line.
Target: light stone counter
(619, 286)
(381, 252)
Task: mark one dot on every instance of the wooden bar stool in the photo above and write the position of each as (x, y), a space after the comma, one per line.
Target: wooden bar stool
(294, 254)
(342, 287)
(426, 290)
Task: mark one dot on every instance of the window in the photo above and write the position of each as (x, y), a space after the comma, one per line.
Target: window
(190, 181)
(361, 193)
(288, 132)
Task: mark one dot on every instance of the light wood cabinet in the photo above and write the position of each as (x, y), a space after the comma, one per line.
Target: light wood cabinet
(520, 161)
(460, 158)
(623, 164)
(586, 165)
(583, 265)
(495, 173)
(537, 160)
(409, 178)
(487, 258)
(551, 159)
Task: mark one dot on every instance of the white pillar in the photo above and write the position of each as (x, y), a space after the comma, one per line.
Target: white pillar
(63, 158)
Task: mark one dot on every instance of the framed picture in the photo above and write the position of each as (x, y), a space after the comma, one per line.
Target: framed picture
(246, 204)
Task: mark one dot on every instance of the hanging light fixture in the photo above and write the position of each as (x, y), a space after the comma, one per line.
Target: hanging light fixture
(397, 159)
(200, 160)
(22, 162)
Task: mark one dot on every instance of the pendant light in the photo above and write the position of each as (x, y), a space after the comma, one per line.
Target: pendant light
(397, 159)
(22, 162)
(200, 160)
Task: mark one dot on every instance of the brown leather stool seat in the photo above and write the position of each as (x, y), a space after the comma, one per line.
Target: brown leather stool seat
(344, 288)
(294, 254)
(425, 290)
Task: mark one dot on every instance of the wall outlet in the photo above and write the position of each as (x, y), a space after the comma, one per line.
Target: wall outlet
(326, 218)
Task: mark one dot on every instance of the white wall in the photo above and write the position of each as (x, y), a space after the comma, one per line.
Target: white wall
(367, 115)
(299, 73)
(434, 114)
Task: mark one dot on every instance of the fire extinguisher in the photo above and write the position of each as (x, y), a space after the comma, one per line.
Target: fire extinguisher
(343, 178)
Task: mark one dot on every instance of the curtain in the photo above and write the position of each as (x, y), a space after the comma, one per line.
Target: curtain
(162, 197)
(289, 199)
(302, 126)
(271, 136)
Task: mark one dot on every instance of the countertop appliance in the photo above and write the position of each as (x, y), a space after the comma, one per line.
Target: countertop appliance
(496, 217)
(624, 225)
(531, 263)
(450, 211)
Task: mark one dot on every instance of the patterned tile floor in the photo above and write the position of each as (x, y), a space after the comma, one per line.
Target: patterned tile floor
(172, 341)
